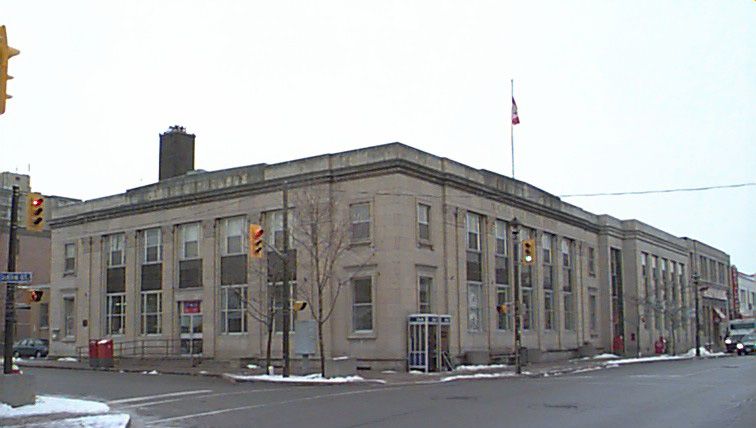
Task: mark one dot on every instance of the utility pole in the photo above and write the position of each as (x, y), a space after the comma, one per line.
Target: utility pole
(10, 294)
(698, 326)
(285, 278)
(516, 259)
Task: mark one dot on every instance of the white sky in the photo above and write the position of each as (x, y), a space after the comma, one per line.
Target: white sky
(613, 96)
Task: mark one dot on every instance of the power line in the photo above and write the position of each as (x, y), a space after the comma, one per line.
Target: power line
(645, 192)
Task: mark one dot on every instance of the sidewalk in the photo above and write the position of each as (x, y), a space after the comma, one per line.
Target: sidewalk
(226, 370)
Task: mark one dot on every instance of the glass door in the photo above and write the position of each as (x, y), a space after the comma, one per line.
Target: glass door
(191, 327)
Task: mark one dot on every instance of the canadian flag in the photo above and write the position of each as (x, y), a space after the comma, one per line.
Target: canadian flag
(515, 117)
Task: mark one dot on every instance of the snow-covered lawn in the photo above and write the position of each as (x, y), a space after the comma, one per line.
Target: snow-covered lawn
(311, 378)
(48, 405)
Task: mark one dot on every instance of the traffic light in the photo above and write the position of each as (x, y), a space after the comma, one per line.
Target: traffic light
(298, 305)
(528, 251)
(502, 309)
(6, 53)
(36, 295)
(256, 233)
(35, 212)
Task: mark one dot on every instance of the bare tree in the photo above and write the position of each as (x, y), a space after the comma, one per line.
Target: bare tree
(322, 233)
(260, 307)
(674, 314)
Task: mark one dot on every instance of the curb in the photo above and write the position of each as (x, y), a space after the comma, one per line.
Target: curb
(230, 377)
(117, 370)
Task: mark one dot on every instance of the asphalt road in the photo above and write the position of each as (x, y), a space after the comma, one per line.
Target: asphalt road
(690, 393)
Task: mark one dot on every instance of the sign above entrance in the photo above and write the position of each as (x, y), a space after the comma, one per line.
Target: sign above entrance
(192, 306)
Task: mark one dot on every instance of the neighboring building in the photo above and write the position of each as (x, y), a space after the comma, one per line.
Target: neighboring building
(165, 266)
(712, 267)
(745, 290)
(32, 319)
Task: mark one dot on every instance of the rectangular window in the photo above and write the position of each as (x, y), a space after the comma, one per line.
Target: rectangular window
(115, 250)
(721, 273)
(152, 312)
(69, 317)
(548, 309)
(153, 248)
(473, 232)
(116, 314)
(474, 254)
(233, 303)
(569, 311)
(527, 309)
(189, 235)
(646, 298)
(474, 306)
(504, 297)
(190, 265)
(278, 301)
(618, 312)
(275, 237)
(70, 259)
(44, 315)
(592, 307)
(712, 270)
(703, 267)
(501, 258)
(359, 215)
(423, 222)
(425, 284)
(362, 304)
(591, 261)
(234, 229)
(657, 292)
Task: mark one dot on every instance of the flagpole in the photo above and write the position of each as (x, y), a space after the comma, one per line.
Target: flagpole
(511, 131)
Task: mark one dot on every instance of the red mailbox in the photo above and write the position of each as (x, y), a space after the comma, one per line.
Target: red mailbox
(94, 358)
(105, 352)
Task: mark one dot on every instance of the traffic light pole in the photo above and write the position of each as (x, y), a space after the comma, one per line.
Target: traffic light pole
(516, 264)
(10, 294)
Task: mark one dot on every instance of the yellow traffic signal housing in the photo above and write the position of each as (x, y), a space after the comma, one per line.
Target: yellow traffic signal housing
(502, 309)
(298, 305)
(256, 243)
(528, 251)
(6, 53)
(35, 212)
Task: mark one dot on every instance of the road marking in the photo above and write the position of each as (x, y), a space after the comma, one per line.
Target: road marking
(150, 397)
(255, 406)
(218, 394)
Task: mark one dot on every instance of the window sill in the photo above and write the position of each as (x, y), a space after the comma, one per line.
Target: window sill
(69, 274)
(68, 339)
(425, 244)
(361, 243)
(359, 335)
(235, 333)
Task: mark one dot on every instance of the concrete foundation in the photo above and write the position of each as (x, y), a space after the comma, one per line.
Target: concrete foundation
(17, 389)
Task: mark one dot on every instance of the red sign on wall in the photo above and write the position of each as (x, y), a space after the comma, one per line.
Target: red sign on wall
(192, 307)
(735, 295)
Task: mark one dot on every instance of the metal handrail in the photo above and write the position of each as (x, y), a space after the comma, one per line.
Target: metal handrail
(138, 348)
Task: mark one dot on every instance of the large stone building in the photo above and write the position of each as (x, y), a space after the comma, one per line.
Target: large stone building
(164, 267)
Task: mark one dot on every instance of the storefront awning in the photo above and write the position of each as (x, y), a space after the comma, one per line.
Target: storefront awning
(719, 314)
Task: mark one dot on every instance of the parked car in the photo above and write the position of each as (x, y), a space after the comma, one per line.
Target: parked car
(37, 348)
(747, 344)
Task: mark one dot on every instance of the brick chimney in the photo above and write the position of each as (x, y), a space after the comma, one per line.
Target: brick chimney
(176, 152)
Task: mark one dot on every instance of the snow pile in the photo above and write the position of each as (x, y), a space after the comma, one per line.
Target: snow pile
(101, 421)
(48, 405)
(646, 359)
(154, 372)
(704, 353)
(253, 366)
(479, 367)
(68, 360)
(478, 376)
(605, 357)
(311, 378)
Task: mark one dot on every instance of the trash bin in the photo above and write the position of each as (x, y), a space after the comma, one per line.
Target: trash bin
(105, 352)
(94, 358)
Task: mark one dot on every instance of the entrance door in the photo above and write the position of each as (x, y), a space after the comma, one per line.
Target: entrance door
(191, 327)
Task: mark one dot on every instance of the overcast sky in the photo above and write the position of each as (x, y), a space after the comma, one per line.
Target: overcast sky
(613, 95)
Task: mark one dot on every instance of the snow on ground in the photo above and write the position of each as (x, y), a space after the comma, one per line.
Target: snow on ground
(68, 359)
(311, 378)
(478, 376)
(253, 366)
(688, 355)
(154, 372)
(605, 357)
(48, 405)
(100, 421)
(479, 367)
(704, 353)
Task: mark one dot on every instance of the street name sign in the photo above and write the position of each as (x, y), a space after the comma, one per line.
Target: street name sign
(16, 277)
